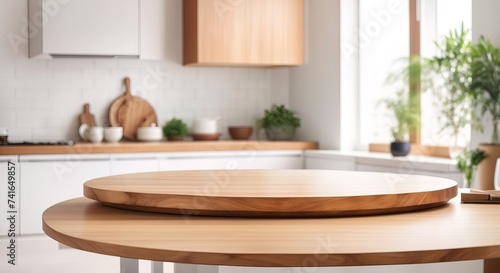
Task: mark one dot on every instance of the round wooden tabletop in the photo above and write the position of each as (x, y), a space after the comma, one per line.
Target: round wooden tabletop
(451, 232)
(271, 193)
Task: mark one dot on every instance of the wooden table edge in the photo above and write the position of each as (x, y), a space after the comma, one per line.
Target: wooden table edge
(492, 259)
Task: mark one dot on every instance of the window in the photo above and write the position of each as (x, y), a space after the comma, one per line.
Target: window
(390, 30)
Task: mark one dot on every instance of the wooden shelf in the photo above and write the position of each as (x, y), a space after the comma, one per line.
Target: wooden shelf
(157, 147)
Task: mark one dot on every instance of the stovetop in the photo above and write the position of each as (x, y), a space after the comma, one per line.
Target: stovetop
(41, 142)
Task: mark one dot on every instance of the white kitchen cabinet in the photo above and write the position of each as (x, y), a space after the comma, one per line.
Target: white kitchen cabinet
(330, 163)
(382, 162)
(416, 165)
(84, 28)
(133, 163)
(47, 180)
(9, 195)
(232, 160)
(406, 169)
(161, 34)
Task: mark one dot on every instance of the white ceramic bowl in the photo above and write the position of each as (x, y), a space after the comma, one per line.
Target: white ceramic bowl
(113, 134)
(205, 126)
(150, 133)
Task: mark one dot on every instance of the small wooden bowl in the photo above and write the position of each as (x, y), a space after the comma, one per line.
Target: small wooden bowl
(240, 132)
(205, 136)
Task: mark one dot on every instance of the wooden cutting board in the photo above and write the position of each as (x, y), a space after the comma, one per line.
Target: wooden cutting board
(131, 112)
(86, 117)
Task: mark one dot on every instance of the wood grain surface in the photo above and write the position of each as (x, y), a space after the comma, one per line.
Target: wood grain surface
(453, 232)
(244, 32)
(131, 112)
(86, 117)
(158, 147)
(117, 104)
(271, 193)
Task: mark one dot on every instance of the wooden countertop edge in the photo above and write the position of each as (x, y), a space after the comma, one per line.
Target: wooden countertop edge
(158, 147)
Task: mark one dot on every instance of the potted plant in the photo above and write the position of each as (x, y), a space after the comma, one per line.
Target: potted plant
(279, 122)
(403, 108)
(175, 129)
(467, 162)
(450, 73)
(485, 89)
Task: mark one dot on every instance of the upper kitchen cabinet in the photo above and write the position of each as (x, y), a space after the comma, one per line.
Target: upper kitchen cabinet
(84, 28)
(244, 32)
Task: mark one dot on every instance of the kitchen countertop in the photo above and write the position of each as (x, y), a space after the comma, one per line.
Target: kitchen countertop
(413, 162)
(156, 147)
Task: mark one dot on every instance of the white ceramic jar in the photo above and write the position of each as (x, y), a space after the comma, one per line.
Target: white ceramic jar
(205, 126)
(149, 133)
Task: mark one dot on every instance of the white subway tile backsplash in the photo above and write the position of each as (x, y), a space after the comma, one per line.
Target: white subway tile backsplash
(183, 73)
(248, 83)
(20, 63)
(32, 93)
(99, 93)
(176, 94)
(133, 74)
(189, 83)
(41, 99)
(53, 83)
(215, 72)
(6, 121)
(96, 73)
(234, 93)
(27, 113)
(31, 122)
(8, 83)
(111, 85)
(106, 63)
(222, 83)
(209, 93)
(65, 93)
(258, 94)
(7, 93)
(8, 103)
(260, 74)
(241, 73)
(67, 73)
(19, 133)
(74, 63)
(7, 72)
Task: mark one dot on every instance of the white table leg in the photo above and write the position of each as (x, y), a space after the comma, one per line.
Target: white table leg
(156, 267)
(129, 265)
(193, 268)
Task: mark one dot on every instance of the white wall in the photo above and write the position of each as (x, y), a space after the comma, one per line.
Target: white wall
(315, 86)
(485, 21)
(324, 91)
(41, 99)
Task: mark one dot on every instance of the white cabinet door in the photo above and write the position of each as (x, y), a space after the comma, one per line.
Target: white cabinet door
(161, 34)
(404, 171)
(133, 163)
(271, 160)
(318, 163)
(237, 160)
(9, 196)
(85, 27)
(47, 180)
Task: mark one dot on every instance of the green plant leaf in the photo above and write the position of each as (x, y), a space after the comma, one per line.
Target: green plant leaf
(279, 115)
